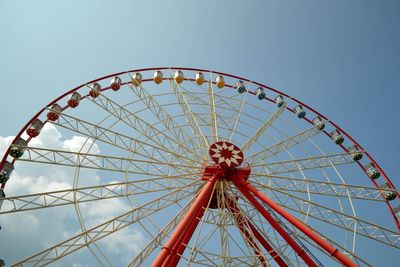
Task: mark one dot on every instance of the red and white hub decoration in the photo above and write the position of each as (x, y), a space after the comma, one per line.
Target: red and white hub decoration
(226, 154)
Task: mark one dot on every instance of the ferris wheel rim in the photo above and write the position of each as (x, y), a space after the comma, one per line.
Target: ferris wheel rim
(189, 69)
(336, 126)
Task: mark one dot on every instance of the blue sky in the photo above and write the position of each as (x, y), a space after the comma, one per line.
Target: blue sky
(340, 57)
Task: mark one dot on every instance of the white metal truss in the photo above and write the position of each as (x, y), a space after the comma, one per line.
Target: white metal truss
(213, 114)
(159, 238)
(144, 128)
(155, 151)
(260, 131)
(116, 139)
(241, 219)
(341, 220)
(283, 145)
(320, 187)
(190, 117)
(91, 193)
(166, 119)
(100, 231)
(100, 162)
(305, 163)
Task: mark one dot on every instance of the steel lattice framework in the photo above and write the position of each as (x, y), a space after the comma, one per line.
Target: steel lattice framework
(306, 194)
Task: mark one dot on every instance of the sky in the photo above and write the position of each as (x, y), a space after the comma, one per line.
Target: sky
(340, 57)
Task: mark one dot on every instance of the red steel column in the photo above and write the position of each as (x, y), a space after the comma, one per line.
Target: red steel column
(267, 246)
(204, 195)
(238, 218)
(260, 238)
(241, 185)
(180, 246)
(298, 224)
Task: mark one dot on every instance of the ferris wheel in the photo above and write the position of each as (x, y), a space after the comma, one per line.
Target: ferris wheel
(206, 168)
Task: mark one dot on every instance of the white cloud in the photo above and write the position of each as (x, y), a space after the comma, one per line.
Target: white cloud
(49, 137)
(29, 232)
(29, 184)
(80, 144)
(5, 143)
(127, 242)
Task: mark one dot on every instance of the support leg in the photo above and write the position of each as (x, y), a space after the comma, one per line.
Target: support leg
(234, 208)
(240, 221)
(240, 184)
(203, 196)
(245, 186)
(180, 247)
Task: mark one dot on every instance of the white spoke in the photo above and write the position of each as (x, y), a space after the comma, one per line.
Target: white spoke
(166, 119)
(342, 220)
(305, 163)
(321, 187)
(100, 162)
(141, 126)
(241, 220)
(91, 193)
(213, 115)
(238, 115)
(114, 138)
(159, 238)
(264, 127)
(200, 226)
(190, 117)
(100, 231)
(223, 222)
(282, 146)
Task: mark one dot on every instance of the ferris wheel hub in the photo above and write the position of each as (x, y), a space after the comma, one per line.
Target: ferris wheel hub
(226, 154)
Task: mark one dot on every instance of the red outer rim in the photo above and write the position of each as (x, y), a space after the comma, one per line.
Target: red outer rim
(227, 75)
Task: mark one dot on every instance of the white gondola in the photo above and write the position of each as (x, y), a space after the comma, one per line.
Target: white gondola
(199, 78)
(389, 195)
(178, 76)
(354, 153)
(95, 90)
(260, 93)
(279, 101)
(18, 149)
(136, 79)
(54, 112)
(337, 137)
(240, 87)
(158, 77)
(35, 128)
(5, 173)
(74, 100)
(116, 83)
(220, 81)
(319, 123)
(299, 111)
(372, 171)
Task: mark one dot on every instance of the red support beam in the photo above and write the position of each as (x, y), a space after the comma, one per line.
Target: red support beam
(267, 246)
(198, 204)
(257, 234)
(246, 187)
(180, 246)
(239, 219)
(241, 185)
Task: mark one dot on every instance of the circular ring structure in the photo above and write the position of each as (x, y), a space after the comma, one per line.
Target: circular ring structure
(180, 166)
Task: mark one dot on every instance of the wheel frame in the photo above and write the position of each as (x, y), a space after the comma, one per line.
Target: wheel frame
(327, 121)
